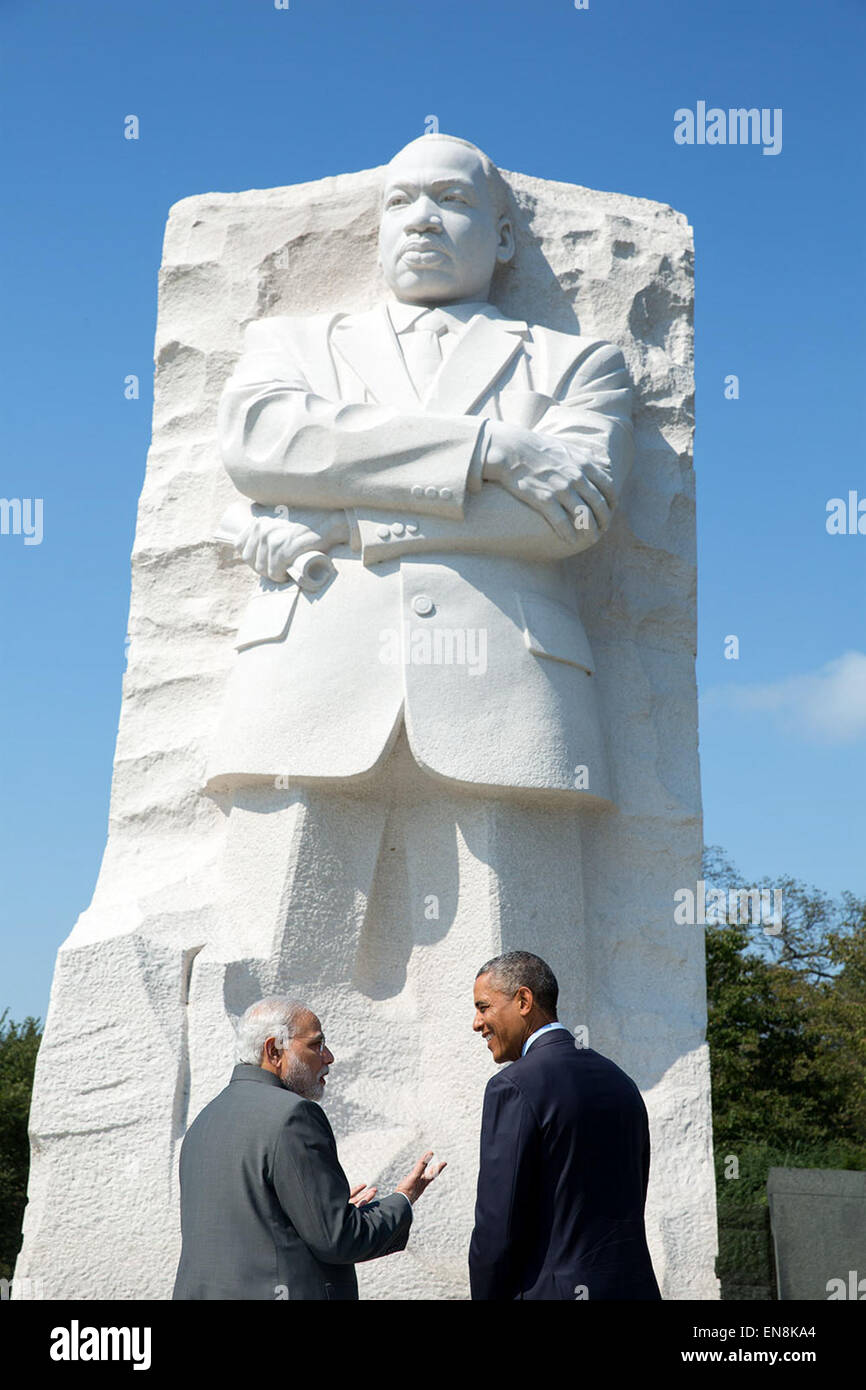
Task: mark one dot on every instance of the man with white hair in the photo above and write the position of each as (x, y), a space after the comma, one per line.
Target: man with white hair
(266, 1210)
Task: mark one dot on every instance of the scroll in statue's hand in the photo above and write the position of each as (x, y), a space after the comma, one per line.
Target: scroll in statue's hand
(271, 544)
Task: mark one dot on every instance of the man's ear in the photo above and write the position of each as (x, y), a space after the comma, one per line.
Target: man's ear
(505, 248)
(525, 1000)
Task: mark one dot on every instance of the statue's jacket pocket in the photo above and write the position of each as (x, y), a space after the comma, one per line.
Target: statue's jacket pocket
(267, 614)
(552, 630)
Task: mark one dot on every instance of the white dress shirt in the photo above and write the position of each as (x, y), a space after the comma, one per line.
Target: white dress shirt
(545, 1028)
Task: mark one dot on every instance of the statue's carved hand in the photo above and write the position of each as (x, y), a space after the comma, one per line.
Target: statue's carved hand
(548, 476)
(269, 545)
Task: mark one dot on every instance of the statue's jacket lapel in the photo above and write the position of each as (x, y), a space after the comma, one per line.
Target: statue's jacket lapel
(487, 346)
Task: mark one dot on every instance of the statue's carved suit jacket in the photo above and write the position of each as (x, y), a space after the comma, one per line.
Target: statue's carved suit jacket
(321, 414)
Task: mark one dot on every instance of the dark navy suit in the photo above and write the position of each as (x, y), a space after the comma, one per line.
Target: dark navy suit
(565, 1157)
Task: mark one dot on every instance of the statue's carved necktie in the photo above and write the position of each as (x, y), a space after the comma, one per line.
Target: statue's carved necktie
(422, 348)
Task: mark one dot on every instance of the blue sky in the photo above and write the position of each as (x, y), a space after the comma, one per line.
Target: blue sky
(235, 94)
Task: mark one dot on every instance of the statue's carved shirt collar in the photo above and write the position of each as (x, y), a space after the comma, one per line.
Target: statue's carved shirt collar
(453, 316)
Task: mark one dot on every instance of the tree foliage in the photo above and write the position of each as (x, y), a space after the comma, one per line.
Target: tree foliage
(19, 1043)
(786, 1021)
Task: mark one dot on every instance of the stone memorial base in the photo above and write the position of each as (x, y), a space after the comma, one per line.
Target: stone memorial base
(818, 1220)
(378, 907)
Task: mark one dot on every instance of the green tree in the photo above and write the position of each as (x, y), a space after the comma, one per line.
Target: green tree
(786, 1028)
(19, 1043)
(786, 1018)
(841, 1019)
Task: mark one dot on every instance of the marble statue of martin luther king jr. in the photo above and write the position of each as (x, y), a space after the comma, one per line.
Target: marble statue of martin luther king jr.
(409, 751)
(448, 460)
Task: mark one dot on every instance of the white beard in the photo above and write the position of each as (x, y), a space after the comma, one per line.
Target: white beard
(303, 1080)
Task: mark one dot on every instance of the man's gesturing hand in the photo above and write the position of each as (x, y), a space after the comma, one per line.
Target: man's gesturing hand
(545, 474)
(417, 1182)
(361, 1194)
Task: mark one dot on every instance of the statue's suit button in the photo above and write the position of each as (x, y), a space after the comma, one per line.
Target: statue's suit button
(445, 493)
(417, 490)
(431, 492)
(422, 605)
(383, 533)
(397, 528)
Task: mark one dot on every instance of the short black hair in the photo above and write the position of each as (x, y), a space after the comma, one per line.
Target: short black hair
(516, 968)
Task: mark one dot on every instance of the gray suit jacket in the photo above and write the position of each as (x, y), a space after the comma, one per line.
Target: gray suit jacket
(265, 1211)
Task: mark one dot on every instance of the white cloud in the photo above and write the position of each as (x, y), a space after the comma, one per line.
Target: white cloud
(828, 704)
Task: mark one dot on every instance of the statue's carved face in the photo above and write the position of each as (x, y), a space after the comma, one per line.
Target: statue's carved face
(440, 237)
